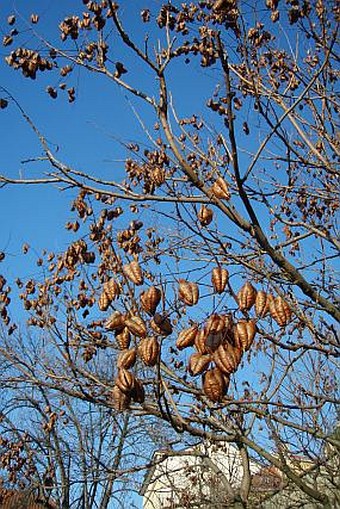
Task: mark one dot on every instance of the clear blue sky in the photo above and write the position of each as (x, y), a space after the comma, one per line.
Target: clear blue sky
(85, 132)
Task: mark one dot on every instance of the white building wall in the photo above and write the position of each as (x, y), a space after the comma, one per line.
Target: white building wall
(183, 477)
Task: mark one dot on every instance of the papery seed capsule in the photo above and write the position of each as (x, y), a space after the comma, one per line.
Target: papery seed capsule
(244, 334)
(188, 292)
(227, 358)
(136, 326)
(261, 304)
(161, 324)
(198, 363)
(103, 302)
(199, 342)
(215, 323)
(150, 299)
(125, 380)
(221, 189)
(123, 338)
(205, 215)
(214, 385)
(149, 350)
(115, 321)
(280, 311)
(219, 279)
(120, 399)
(127, 358)
(215, 329)
(134, 273)
(246, 296)
(112, 289)
(158, 176)
(186, 337)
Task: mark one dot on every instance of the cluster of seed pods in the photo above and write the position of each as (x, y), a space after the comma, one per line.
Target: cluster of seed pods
(219, 343)
(127, 325)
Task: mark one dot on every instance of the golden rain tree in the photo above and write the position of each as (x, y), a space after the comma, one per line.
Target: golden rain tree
(198, 287)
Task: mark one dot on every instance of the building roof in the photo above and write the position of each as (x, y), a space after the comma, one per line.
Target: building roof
(15, 499)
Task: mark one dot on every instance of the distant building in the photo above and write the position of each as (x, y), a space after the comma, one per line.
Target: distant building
(193, 477)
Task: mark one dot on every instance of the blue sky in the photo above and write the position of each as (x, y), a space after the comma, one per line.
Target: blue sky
(87, 132)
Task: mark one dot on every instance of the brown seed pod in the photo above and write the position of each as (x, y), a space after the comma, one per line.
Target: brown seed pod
(115, 321)
(186, 337)
(215, 323)
(199, 342)
(219, 279)
(136, 326)
(134, 273)
(227, 358)
(161, 325)
(138, 393)
(198, 363)
(123, 338)
(158, 176)
(149, 350)
(221, 189)
(103, 302)
(246, 296)
(112, 289)
(127, 358)
(215, 331)
(262, 303)
(214, 386)
(280, 311)
(150, 299)
(120, 400)
(125, 380)
(205, 215)
(34, 18)
(244, 334)
(188, 292)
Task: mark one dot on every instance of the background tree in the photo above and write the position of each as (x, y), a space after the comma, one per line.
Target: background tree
(219, 235)
(60, 445)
